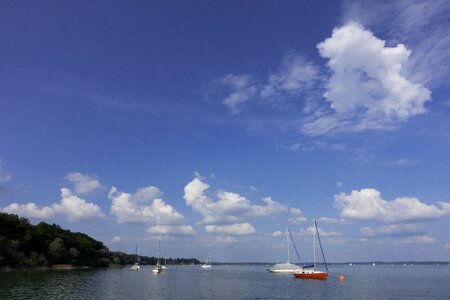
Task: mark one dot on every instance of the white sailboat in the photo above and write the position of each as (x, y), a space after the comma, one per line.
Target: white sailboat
(208, 263)
(136, 267)
(158, 269)
(287, 267)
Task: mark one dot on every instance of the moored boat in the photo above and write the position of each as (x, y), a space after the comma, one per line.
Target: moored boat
(208, 263)
(287, 267)
(158, 269)
(310, 272)
(136, 267)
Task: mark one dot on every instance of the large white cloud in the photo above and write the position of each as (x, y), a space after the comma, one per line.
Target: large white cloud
(144, 206)
(70, 205)
(367, 204)
(229, 208)
(367, 89)
(423, 25)
(83, 184)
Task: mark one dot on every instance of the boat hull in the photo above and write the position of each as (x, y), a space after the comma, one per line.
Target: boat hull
(312, 275)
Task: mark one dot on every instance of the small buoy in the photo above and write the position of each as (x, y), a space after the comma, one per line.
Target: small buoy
(342, 277)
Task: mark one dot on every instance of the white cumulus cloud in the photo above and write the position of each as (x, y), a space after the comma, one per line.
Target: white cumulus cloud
(83, 184)
(230, 207)
(367, 89)
(29, 210)
(76, 208)
(144, 206)
(423, 25)
(367, 204)
(70, 205)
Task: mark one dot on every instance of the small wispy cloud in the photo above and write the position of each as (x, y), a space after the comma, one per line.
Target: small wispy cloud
(423, 239)
(4, 176)
(296, 76)
(400, 230)
(402, 162)
(116, 239)
(226, 240)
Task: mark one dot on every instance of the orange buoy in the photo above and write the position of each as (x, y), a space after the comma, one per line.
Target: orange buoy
(342, 277)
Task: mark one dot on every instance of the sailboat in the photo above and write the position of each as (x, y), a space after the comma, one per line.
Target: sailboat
(287, 267)
(136, 267)
(158, 269)
(313, 273)
(207, 264)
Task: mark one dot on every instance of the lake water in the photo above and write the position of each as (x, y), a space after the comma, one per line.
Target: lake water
(228, 282)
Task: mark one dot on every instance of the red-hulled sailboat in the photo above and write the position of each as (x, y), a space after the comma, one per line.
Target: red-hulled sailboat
(310, 272)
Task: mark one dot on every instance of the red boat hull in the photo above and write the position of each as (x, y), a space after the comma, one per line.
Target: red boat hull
(314, 275)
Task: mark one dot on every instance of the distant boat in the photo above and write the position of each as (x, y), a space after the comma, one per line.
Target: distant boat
(313, 273)
(373, 264)
(158, 269)
(287, 267)
(208, 263)
(136, 267)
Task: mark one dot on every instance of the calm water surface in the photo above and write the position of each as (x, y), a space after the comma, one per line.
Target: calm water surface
(229, 282)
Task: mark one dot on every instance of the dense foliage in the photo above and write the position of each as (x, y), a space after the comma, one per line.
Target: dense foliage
(25, 245)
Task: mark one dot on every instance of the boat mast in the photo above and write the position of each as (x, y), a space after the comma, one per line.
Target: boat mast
(137, 256)
(288, 247)
(158, 262)
(314, 249)
(320, 243)
(293, 244)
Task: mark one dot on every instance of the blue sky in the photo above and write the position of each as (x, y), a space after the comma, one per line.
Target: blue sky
(217, 124)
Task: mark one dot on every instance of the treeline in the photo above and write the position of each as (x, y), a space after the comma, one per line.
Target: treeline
(23, 245)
